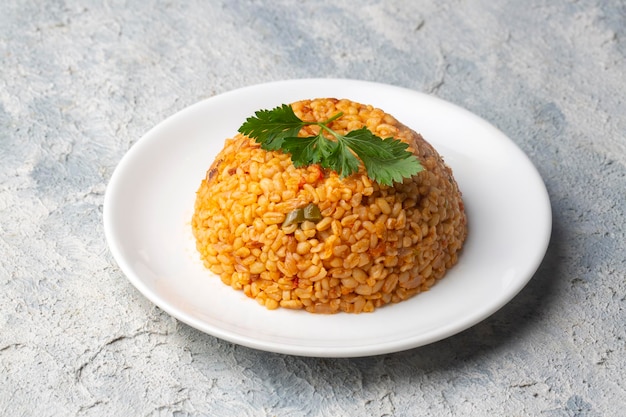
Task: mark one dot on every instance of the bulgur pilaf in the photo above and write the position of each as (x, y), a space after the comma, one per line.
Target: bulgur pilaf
(369, 246)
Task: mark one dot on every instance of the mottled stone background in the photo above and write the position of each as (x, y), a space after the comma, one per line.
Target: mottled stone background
(81, 81)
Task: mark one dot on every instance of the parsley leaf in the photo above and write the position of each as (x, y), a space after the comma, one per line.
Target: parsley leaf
(342, 161)
(270, 127)
(309, 150)
(385, 160)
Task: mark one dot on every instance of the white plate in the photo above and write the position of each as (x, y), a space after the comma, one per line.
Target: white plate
(149, 203)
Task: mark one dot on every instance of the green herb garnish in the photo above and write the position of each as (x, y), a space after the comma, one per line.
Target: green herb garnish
(385, 160)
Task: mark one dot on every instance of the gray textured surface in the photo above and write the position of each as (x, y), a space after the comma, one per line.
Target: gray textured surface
(82, 81)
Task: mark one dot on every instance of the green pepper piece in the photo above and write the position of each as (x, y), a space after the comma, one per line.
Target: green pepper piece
(312, 213)
(294, 217)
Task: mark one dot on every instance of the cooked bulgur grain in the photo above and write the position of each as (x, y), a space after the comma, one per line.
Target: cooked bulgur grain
(373, 245)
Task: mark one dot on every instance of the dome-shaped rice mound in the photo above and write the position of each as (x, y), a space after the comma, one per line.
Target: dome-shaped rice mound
(367, 246)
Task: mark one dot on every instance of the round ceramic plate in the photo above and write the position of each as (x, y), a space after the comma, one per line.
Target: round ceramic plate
(149, 203)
